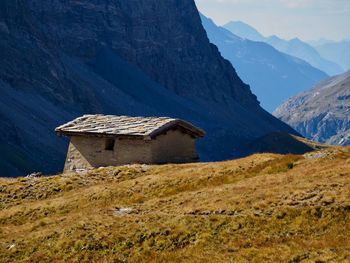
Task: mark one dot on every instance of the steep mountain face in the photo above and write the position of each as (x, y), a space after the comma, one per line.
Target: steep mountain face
(336, 51)
(273, 76)
(61, 59)
(294, 47)
(323, 113)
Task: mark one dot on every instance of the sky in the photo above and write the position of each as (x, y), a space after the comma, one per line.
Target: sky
(305, 19)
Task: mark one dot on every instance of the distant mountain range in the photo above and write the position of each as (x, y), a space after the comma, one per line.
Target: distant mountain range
(244, 30)
(294, 47)
(319, 42)
(273, 76)
(336, 51)
(323, 113)
(62, 59)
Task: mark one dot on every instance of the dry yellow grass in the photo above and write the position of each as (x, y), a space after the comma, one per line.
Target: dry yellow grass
(264, 208)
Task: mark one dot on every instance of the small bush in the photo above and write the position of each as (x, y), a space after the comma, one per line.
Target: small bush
(290, 166)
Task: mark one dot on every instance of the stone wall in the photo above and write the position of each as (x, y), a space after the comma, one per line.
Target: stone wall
(89, 152)
(174, 147)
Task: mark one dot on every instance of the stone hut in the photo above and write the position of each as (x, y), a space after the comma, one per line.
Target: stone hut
(106, 140)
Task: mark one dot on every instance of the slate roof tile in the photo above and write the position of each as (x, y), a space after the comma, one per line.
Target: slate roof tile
(110, 125)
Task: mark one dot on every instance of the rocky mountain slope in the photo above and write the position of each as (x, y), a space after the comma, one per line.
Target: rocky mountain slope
(61, 59)
(294, 47)
(264, 208)
(273, 76)
(323, 113)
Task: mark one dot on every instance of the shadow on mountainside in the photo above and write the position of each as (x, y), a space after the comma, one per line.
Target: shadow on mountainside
(282, 143)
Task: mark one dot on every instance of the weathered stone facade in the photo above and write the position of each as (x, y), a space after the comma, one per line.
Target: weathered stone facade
(174, 146)
(108, 140)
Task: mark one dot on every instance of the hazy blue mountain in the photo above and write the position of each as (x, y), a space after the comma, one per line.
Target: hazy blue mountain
(319, 42)
(272, 75)
(302, 50)
(336, 51)
(322, 113)
(244, 30)
(62, 59)
(294, 47)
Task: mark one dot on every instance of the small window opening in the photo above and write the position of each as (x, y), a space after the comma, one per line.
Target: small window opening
(109, 145)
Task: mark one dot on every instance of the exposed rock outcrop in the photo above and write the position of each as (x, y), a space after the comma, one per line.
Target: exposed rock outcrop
(323, 113)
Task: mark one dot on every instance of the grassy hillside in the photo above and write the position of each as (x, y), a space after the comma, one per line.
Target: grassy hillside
(264, 208)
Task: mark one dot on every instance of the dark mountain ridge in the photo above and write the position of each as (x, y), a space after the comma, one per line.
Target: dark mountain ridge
(61, 59)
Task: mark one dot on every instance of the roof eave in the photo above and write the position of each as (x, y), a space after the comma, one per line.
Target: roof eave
(99, 135)
(191, 129)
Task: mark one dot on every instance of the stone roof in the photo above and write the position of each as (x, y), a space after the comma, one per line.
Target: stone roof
(118, 126)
